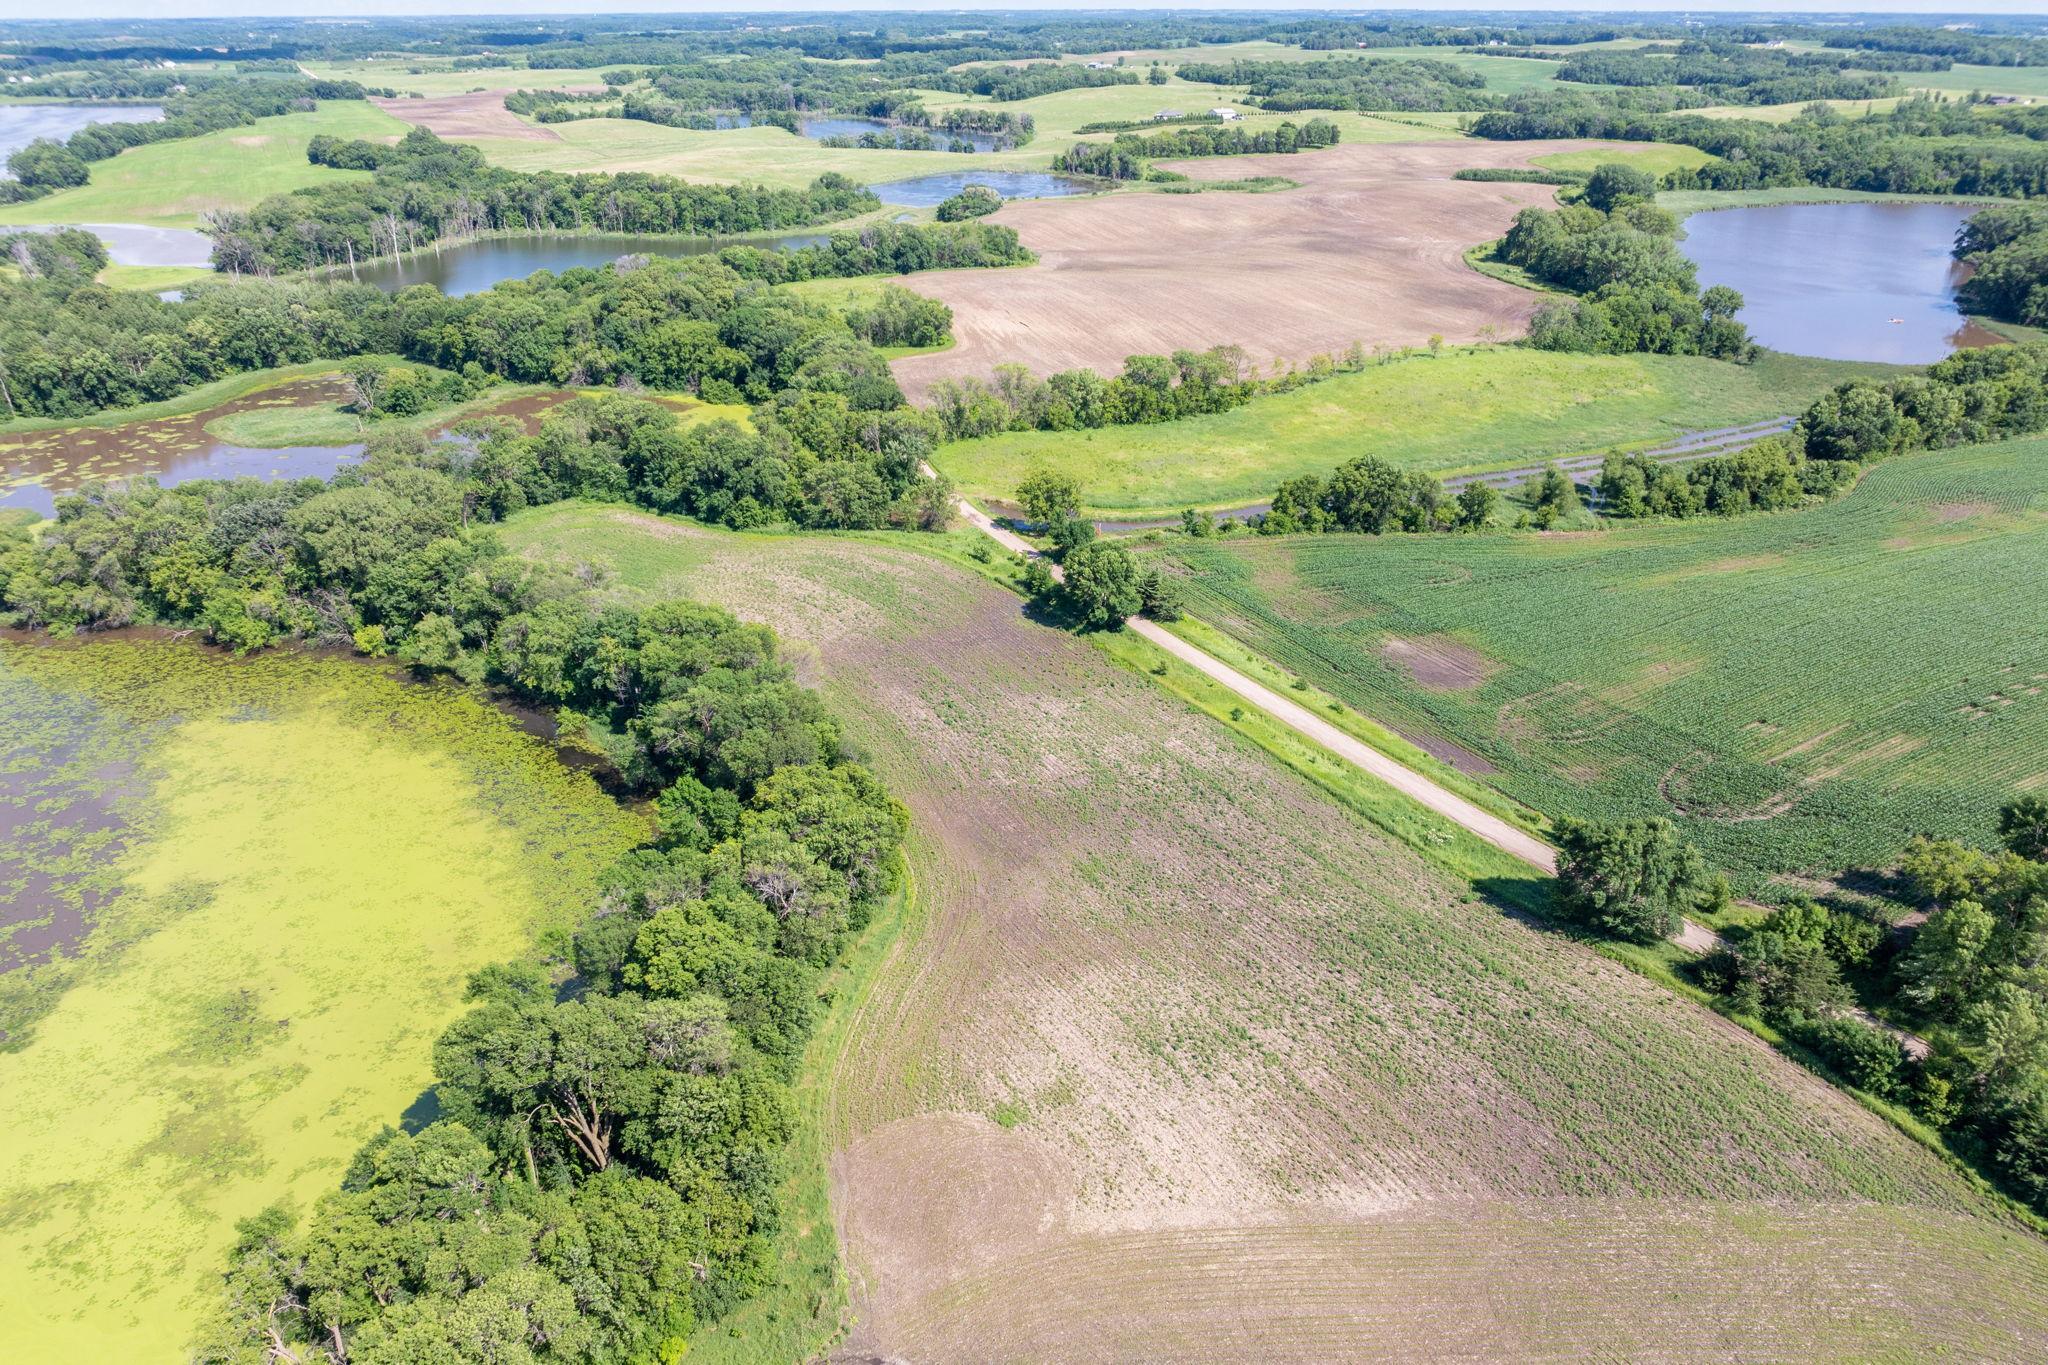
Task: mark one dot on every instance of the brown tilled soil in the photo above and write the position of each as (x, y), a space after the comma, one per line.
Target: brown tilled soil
(1370, 249)
(481, 113)
(1437, 663)
(1175, 1059)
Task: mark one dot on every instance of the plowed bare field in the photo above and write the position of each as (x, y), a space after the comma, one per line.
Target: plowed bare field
(481, 113)
(1370, 249)
(1180, 1060)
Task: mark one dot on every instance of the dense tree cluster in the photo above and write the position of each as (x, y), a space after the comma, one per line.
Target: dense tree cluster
(1984, 394)
(604, 1172)
(975, 201)
(898, 317)
(1152, 388)
(1371, 496)
(1641, 293)
(1125, 156)
(2006, 249)
(425, 191)
(1370, 84)
(69, 347)
(1636, 879)
(1768, 476)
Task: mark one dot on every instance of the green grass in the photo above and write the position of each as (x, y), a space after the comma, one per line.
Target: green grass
(171, 184)
(333, 425)
(310, 857)
(1465, 409)
(1659, 160)
(1800, 691)
(2026, 82)
(152, 278)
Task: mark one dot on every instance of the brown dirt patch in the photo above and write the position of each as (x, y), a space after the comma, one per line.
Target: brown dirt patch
(1370, 249)
(1947, 512)
(1438, 663)
(253, 140)
(481, 113)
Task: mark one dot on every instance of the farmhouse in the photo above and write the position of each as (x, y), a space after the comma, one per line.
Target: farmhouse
(1225, 114)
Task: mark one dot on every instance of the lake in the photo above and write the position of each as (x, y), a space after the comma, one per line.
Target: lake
(1841, 281)
(927, 190)
(21, 124)
(469, 267)
(141, 244)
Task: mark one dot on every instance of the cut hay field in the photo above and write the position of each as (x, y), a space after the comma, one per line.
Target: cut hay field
(1178, 1058)
(1370, 249)
(263, 882)
(1660, 160)
(1461, 410)
(1800, 691)
(172, 184)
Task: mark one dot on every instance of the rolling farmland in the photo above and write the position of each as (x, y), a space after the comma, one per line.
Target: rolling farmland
(1176, 1055)
(1487, 407)
(1800, 691)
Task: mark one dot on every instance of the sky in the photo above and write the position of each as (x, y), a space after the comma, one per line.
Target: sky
(170, 9)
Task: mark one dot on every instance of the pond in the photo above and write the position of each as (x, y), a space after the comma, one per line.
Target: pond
(21, 124)
(36, 467)
(229, 949)
(1841, 281)
(473, 266)
(927, 190)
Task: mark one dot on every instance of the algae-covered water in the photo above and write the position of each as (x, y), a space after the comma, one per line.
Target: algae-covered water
(238, 900)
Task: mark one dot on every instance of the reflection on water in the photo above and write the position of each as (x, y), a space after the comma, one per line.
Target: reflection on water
(37, 467)
(926, 190)
(21, 124)
(1841, 281)
(469, 267)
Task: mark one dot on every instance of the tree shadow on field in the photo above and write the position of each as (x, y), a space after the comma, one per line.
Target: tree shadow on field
(1052, 610)
(1527, 899)
(422, 1112)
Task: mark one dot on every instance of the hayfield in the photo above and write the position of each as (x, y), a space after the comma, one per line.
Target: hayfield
(1489, 407)
(173, 184)
(1800, 691)
(1659, 161)
(1178, 1057)
(255, 945)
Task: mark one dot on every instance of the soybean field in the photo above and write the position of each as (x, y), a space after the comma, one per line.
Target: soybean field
(1801, 691)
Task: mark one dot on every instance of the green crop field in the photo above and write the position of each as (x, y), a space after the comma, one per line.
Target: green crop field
(266, 880)
(2024, 82)
(434, 78)
(171, 184)
(1136, 936)
(1465, 409)
(1801, 691)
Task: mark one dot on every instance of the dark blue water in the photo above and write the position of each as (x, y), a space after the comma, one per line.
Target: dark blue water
(469, 267)
(1841, 281)
(927, 190)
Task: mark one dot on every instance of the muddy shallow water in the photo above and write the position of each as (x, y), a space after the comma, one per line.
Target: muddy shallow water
(37, 467)
(21, 124)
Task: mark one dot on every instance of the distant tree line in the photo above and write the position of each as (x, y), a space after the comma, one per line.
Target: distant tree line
(1125, 156)
(1922, 146)
(1152, 388)
(1731, 74)
(1368, 84)
(425, 190)
(1006, 84)
(46, 164)
(704, 324)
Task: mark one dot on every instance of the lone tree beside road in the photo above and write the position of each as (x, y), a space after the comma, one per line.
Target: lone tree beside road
(1103, 584)
(1634, 880)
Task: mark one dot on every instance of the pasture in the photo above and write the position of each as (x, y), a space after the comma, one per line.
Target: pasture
(1658, 160)
(1176, 1051)
(174, 184)
(231, 948)
(1457, 411)
(1801, 692)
